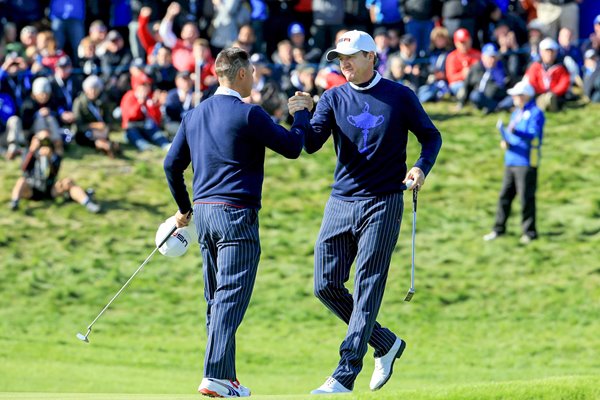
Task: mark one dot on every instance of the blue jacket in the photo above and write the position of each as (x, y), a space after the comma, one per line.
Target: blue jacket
(524, 136)
(67, 9)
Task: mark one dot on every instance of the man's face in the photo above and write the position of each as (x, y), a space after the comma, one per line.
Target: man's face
(63, 72)
(184, 84)
(463, 47)
(42, 98)
(488, 61)
(163, 57)
(381, 41)
(358, 67)
(92, 93)
(548, 56)
(189, 32)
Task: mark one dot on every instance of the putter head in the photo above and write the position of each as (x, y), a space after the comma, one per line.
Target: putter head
(82, 337)
(409, 295)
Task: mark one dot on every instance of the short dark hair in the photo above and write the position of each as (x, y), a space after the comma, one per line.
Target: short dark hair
(230, 61)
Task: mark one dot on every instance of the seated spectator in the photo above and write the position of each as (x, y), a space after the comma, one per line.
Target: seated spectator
(8, 41)
(39, 112)
(382, 42)
(97, 33)
(459, 61)
(40, 171)
(91, 118)
(7, 110)
(299, 56)
(115, 67)
(436, 85)
(549, 78)
(246, 39)
(205, 76)
(486, 83)
(396, 71)
(571, 57)
(65, 88)
(535, 30)
(297, 36)
(303, 80)
(179, 101)
(415, 70)
(47, 49)
(593, 42)
(141, 117)
(284, 64)
(591, 76)
(162, 72)
(183, 56)
(514, 59)
(28, 39)
(266, 91)
(89, 62)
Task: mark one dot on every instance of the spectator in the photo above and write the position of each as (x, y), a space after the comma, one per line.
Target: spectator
(229, 16)
(67, 18)
(486, 81)
(522, 140)
(149, 37)
(40, 171)
(303, 80)
(571, 56)
(414, 70)
(397, 71)
(9, 43)
(39, 112)
(557, 14)
(593, 42)
(115, 66)
(48, 50)
(183, 56)
(284, 64)
(535, 36)
(460, 60)
(297, 37)
(328, 19)
(7, 111)
(436, 84)
(549, 78)
(141, 118)
(179, 101)
(28, 38)
(205, 76)
(65, 88)
(386, 14)
(460, 14)
(514, 59)
(89, 62)
(246, 39)
(162, 72)
(90, 125)
(591, 76)
(266, 91)
(382, 42)
(419, 18)
(97, 33)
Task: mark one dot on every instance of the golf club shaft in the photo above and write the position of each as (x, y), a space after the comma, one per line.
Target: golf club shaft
(131, 278)
(414, 232)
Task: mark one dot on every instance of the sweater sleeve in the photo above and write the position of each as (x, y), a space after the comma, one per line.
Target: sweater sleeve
(143, 33)
(277, 138)
(426, 133)
(177, 160)
(321, 125)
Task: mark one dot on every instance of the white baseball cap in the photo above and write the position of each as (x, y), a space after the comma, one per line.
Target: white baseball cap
(41, 85)
(180, 240)
(350, 43)
(522, 88)
(549, 44)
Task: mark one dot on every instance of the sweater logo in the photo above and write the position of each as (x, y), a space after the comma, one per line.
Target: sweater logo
(364, 122)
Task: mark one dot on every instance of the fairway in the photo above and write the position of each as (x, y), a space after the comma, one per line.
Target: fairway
(488, 320)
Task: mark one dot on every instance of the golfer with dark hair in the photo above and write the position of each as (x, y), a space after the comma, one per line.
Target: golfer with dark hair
(225, 139)
(369, 118)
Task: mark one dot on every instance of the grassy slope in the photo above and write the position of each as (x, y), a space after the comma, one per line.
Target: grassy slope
(482, 312)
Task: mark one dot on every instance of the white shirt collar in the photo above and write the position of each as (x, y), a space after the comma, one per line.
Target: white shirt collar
(225, 91)
(375, 82)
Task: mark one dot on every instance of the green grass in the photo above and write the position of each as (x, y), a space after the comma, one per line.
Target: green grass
(488, 321)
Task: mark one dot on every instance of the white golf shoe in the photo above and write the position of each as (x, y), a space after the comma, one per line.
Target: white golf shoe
(222, 388)
(331, 386)
(384, 366)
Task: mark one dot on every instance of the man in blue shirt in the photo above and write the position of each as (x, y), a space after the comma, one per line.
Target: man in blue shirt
(522, 140)
(369, 118)
(225, 139)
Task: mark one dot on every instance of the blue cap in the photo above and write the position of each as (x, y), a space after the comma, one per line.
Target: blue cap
(295, 28)
(489, 50)
(597, 20)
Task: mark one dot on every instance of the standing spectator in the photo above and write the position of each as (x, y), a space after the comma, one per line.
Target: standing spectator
(91, 113)
(460, 14)
(205, 76)
(549, 78)
(67, 18)
(486, 81)
(460, 60)
(183, 53)
(385, 13)
(89, 62)
(229, 16)
(591, 76)
(48, 50)
(369, 118)
(141, 117)
(556, 14)
(419, 18)
(40, 171)
(522, 141)
(328, 18)
(179, 102)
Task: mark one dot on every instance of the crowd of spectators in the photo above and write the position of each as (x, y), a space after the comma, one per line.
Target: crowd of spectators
(78, 70)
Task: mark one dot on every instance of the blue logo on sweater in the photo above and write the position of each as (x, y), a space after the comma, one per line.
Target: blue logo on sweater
(364, 122)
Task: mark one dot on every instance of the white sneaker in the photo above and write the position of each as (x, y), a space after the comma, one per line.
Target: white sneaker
(493, 235)
(331, 386)
(222, 388)
(384, 365)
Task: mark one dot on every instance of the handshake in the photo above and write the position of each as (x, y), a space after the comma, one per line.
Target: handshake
(300, 101)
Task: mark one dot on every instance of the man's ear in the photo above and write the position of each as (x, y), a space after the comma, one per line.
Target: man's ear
(242, 73)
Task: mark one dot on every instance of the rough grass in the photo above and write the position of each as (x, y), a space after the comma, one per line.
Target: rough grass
(488, 320)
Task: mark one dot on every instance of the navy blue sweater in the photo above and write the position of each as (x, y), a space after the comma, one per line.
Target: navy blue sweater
(370, 131)
(225, 139)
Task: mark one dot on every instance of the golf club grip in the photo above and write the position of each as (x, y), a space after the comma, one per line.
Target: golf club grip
(173, 229)
(415, 199)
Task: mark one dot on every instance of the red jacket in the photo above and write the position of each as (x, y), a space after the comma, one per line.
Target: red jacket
(555, 79)
(146, 39)
(131, 110)
(456, 61)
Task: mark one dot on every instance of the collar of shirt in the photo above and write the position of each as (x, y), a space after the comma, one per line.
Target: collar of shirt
(225, 91)
(374, 82)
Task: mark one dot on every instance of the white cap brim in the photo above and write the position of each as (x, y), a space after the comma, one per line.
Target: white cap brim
(333, 54)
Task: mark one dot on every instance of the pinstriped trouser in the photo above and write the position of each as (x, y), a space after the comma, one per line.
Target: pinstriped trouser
(230, 247)
(365, 230)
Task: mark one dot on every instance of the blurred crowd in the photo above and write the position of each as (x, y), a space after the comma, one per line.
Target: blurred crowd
(78, 71)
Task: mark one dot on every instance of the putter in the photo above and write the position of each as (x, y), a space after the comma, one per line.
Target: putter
(411, 291)
(84, 338)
